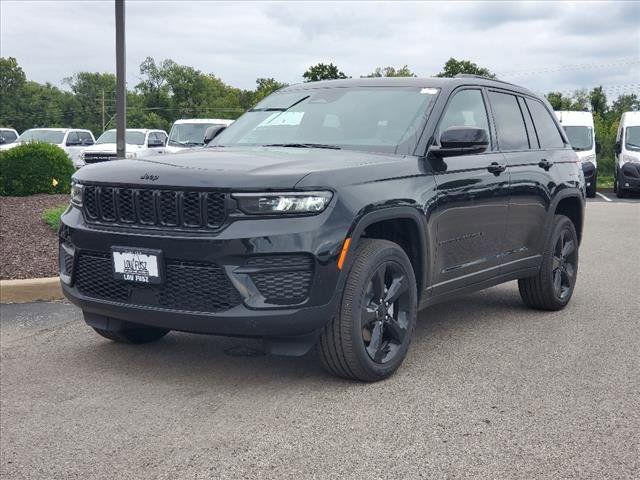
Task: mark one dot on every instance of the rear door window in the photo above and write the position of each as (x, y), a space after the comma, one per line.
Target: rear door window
(73, 139)
(548, 134)
(510, 127)
(85, 138)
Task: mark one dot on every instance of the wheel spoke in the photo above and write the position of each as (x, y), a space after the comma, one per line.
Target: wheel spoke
(378, 282)
(557, 281)
(398, 287)
(568, 249)
(369, 314)
(557, 261)
(396, 331)
(374, 349)
(568, 271)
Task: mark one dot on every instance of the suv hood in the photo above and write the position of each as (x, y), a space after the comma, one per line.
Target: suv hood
(234, 168)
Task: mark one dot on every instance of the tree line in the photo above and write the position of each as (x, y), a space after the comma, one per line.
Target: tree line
(168, 91)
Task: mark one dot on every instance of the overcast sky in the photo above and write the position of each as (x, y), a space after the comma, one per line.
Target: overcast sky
(545, 46)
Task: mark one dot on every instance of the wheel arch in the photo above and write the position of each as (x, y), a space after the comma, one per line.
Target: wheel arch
(402, 225)
(571, 204)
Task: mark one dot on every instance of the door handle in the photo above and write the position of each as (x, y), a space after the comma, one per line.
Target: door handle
(497, 168)
(544, 163)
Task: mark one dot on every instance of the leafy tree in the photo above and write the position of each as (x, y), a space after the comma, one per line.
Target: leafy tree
(624, 103)
(391, 72)
(322, 72)
(88, 89)
(578, 101)
(265, 87)
(453, 67)
(12, 76)
(598, 101)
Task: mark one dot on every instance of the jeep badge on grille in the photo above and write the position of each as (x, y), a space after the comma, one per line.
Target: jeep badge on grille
(148, 176)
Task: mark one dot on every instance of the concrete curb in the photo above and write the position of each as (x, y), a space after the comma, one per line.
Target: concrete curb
(30, 290)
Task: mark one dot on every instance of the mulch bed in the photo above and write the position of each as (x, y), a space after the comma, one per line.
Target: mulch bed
(29, 245)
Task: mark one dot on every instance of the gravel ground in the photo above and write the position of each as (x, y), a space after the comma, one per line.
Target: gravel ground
(489, 390)
(29, 245)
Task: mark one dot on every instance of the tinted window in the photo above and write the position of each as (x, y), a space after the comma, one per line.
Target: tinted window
(85, 138)
(466, 109)
(8, 135)
(632, 138)
(73, 139)
(512, 134)
(548, 134)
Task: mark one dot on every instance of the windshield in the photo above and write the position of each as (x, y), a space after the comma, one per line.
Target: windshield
(632, 138)
(48, 136)
(381, 119)
(580, 138)
(188, 134)
(132, 138)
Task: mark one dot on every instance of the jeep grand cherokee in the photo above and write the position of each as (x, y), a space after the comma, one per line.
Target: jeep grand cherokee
(328, 216)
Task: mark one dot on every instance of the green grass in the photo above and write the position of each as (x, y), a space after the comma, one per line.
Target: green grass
(52, 216)
(605, 181)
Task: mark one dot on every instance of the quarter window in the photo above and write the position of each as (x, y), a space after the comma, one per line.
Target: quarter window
(466, 109)
(548, 134)
(512, 134)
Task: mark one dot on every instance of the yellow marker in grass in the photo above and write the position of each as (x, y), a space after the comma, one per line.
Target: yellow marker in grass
(54, 182)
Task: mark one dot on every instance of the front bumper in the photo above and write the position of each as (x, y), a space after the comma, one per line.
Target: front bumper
(629, 176)
(590, 173)
(256, 273)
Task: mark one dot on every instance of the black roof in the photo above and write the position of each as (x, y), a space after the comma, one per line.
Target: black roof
(434, 82)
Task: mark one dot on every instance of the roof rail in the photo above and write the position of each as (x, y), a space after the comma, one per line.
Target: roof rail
(482, 77)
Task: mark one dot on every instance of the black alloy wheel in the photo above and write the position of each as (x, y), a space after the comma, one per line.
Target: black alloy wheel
(565, 261)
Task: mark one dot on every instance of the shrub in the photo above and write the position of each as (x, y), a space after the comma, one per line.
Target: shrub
(35, 168)
(52, 216)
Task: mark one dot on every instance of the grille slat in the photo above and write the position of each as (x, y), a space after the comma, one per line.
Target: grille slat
(190, 286)
(142, 207)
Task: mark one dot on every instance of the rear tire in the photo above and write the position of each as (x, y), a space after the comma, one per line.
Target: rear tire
(552, 287)
(135, 335)
(368, 337)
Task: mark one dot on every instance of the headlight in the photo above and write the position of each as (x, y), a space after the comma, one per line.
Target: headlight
(77, 191)
(286, 202)
(630, 159)
(588, 158)
(130, 155)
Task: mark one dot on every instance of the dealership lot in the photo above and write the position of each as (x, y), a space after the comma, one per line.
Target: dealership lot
(489, 390)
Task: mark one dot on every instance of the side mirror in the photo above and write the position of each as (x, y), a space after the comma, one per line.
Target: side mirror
(87, 142)
(461, 141)
(617, 147)
(598, 147)
(212, 132)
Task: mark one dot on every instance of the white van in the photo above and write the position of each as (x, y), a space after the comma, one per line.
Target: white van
(190, 132)
(627, 148)
(579, 129)
(71, 140)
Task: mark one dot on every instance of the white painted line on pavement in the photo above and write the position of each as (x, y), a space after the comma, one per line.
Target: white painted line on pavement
(601, 195)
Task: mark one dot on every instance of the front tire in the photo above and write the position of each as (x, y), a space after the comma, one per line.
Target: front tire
(552, 287)
(369, 336)
(591, 189)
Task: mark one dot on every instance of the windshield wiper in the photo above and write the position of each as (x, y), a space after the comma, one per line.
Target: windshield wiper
(303, 145)
(629, 144)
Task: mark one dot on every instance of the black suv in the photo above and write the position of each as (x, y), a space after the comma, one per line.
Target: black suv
(328, 216)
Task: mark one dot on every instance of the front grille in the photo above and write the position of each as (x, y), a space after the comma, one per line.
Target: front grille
(190, 286)
(98, 157)
(154, 207)
(282, 279)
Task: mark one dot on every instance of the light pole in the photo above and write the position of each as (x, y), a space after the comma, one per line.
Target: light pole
(121, 83)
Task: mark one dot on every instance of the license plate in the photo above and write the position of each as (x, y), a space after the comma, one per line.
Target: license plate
(137, 265)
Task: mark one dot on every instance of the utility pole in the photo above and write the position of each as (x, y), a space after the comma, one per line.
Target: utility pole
(103, 110)
(121, 84)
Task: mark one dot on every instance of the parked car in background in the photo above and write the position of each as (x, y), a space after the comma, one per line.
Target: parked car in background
(7, 136)
(141, 142)
(579, 129)
(328, 215)
(627, 149)
(189, 133)
(71, 140)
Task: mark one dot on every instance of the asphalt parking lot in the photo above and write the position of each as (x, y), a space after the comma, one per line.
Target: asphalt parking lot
(489, 390)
